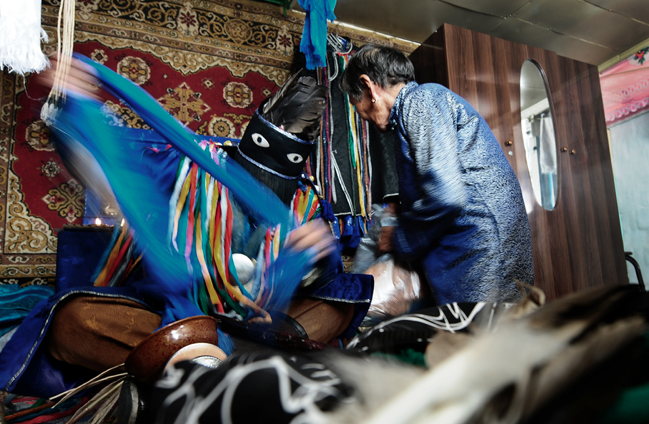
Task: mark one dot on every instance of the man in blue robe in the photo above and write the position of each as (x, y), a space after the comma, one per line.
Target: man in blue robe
(462, 212)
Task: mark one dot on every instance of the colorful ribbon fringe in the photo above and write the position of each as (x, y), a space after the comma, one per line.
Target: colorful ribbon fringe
(322, 164)
(145, 205)
(200, 227)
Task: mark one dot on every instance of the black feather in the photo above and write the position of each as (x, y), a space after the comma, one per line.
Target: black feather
(268, 105)
(297, 107)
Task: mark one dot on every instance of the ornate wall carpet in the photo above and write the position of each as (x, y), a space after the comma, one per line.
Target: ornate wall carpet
(209, 63)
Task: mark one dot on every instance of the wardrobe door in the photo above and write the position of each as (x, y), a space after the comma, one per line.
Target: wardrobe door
(578, 243)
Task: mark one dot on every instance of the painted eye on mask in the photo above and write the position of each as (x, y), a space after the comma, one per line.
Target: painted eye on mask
(260, 140)
(294, 157)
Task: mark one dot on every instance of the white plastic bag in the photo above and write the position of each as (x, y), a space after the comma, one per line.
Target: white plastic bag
(367, 251)
(397, 289)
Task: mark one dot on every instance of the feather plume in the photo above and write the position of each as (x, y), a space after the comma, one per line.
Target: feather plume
(537, 355)
(297, 107)
(527, 366)
(268, 105)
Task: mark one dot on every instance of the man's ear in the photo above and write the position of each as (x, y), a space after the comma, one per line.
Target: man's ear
(365, 80)
(370, 85)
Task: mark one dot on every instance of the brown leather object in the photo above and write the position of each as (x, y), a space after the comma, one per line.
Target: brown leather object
(98, 333)
(321, 319)
(148, 360)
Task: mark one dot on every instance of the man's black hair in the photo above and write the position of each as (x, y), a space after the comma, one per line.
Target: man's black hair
(385, 66)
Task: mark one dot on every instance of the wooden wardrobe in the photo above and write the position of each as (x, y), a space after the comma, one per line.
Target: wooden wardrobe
(578, 244)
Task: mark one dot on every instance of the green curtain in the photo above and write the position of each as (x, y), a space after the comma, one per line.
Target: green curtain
(286, 4)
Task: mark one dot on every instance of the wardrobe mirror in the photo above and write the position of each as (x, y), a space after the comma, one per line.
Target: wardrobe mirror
(538, 135)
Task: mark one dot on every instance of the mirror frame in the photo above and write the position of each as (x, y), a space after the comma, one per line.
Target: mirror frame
(548, 94)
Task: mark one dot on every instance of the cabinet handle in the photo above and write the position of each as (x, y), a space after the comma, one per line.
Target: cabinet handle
(508, 143)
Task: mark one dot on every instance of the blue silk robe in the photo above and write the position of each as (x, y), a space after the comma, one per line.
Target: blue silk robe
(463, 214)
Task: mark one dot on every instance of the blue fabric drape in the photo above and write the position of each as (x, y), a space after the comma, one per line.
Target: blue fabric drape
(314, 34)
(26, 368)
(15, 303)
(146, 209)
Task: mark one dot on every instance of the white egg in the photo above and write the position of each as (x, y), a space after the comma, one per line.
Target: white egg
(245, 269)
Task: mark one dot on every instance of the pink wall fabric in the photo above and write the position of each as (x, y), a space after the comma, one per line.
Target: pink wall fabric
(625, 87)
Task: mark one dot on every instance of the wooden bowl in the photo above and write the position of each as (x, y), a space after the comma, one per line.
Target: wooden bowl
(202, 353)
(148, 359)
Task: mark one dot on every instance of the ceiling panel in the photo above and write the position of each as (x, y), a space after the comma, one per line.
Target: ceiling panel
(638, 10)
(559, 15)
(522, 32)
(491, 7)
(585, 21)
(592, 31)
(459, 16)
(611, 31)
(391, 17)
(412, 23)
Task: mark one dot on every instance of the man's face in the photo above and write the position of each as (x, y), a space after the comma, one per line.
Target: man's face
(376, 113)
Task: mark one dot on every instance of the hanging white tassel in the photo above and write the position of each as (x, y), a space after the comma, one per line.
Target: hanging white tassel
(21, 35)
(65, 43)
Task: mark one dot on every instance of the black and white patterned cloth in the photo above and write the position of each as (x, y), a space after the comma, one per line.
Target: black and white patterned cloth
(415, 331)
(271, 387)
(282, 387)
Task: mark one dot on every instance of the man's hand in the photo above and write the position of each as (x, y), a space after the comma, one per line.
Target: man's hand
(388, 221)
(385, 239)
(314, 235)
(79, 79)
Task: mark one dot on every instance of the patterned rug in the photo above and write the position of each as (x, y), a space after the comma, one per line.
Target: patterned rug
(209, 63)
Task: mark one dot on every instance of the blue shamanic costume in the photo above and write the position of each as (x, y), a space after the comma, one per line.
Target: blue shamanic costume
(463, 214)
(199, 193)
